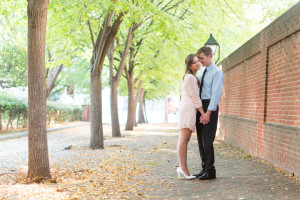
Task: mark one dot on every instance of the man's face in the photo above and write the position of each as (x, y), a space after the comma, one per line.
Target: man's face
(205, 60)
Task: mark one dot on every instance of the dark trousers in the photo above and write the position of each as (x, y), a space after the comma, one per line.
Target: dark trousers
(206, 136)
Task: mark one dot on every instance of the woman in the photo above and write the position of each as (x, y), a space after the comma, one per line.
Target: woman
(190, 103)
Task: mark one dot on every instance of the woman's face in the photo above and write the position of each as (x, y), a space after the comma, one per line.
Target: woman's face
(195, 66)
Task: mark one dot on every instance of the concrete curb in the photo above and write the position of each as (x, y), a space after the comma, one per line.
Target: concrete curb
(25, 133)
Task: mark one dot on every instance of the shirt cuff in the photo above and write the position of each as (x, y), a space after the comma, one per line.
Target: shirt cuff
(212, 107)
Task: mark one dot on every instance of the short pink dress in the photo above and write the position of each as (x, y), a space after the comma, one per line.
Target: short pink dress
(190, 102)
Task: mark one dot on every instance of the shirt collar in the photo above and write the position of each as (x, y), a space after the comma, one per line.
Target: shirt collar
(210, 66)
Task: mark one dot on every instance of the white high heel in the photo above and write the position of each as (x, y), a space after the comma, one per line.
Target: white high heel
(181, 172)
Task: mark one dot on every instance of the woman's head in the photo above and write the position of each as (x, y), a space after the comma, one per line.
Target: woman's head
(192, 64)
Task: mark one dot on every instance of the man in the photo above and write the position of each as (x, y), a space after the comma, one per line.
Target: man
(211, 78)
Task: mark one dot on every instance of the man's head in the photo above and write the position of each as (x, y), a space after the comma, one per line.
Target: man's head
(205, 55)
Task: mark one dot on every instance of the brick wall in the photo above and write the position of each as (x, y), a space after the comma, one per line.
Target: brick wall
(260, 105)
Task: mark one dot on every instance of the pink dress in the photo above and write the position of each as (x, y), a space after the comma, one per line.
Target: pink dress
(189, 103)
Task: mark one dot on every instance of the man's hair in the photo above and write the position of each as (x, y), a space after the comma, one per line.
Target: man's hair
(206, 50)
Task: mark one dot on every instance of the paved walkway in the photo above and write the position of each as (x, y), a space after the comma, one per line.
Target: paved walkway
(55, 127)
(239, 176)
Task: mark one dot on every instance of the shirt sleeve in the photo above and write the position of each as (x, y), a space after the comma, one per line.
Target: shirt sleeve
(193, 90)
(216, 91)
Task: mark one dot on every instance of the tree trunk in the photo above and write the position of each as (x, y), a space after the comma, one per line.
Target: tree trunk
(137, 97)
(0, 122)
(146, 120)
(166, 110)
(115, 124)
(114, 81)
(96, 140)
(132, 103)
(38, 162)
(134, 116)
(18, 119)
(131, 82)
(130, 112)
(141, 118)
(10, 120)
(25, 118)
(100, 48)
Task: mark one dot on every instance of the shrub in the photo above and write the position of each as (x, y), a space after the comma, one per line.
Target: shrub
(12, 108)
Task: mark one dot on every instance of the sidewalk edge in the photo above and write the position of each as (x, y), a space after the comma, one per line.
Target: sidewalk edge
(25, 133)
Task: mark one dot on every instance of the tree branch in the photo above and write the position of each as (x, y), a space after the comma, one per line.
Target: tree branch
(110, 36)
(51, 79)
(167, 5)
(111, 62)
(97, 51)
(91, 32)
(138, 92)
(125, 53)
(175, 5)
(131, 61)
(127, 76)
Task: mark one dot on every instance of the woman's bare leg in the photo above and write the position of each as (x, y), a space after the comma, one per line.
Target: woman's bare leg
(183, 140)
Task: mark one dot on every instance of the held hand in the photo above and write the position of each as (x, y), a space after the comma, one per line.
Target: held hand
(205, 118)
(203, 121)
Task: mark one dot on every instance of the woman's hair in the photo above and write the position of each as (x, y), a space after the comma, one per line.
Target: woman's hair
(188, 62)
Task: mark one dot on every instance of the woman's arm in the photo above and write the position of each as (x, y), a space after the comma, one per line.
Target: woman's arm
(193, 90)
(201, 111)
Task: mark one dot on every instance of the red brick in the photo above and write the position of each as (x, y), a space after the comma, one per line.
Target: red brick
(260, 105)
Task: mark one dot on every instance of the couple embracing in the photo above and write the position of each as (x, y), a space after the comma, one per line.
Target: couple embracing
(199, 108)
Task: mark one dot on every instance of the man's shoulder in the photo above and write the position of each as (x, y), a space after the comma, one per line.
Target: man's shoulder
(217, 69)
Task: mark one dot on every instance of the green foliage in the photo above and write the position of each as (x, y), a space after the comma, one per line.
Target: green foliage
(170, 38)
(170, 30)
(63, 112)
(13, 49)
(12, 107)
(9, 103)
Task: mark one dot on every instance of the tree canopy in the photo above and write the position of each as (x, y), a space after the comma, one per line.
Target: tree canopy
(169, 30)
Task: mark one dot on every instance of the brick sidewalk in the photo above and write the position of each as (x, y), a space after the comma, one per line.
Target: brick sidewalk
(239, 176)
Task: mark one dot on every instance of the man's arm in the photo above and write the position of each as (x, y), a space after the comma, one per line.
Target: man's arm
(216, 95)
(216, 92)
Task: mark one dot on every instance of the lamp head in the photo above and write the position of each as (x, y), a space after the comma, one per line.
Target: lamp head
(212, 43)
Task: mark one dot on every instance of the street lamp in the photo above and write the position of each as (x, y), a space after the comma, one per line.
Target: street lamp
(213, 44)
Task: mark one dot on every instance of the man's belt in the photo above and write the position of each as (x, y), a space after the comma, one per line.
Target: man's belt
(205, 100)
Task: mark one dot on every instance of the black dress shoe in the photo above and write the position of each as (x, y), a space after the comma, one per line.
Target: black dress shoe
(208, 175)
(199, 174)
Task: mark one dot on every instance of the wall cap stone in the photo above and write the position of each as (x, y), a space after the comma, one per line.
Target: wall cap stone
(239, 118)
(283, 126)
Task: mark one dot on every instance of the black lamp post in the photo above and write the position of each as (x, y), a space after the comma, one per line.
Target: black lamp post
(213, 44)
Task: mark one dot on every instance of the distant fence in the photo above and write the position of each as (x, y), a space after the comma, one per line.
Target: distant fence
(260, 106)
(85, 115)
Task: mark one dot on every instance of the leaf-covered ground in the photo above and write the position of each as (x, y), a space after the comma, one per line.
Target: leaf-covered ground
(141, 165)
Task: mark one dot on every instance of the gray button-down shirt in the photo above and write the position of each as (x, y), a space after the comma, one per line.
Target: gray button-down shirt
(212, 85)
